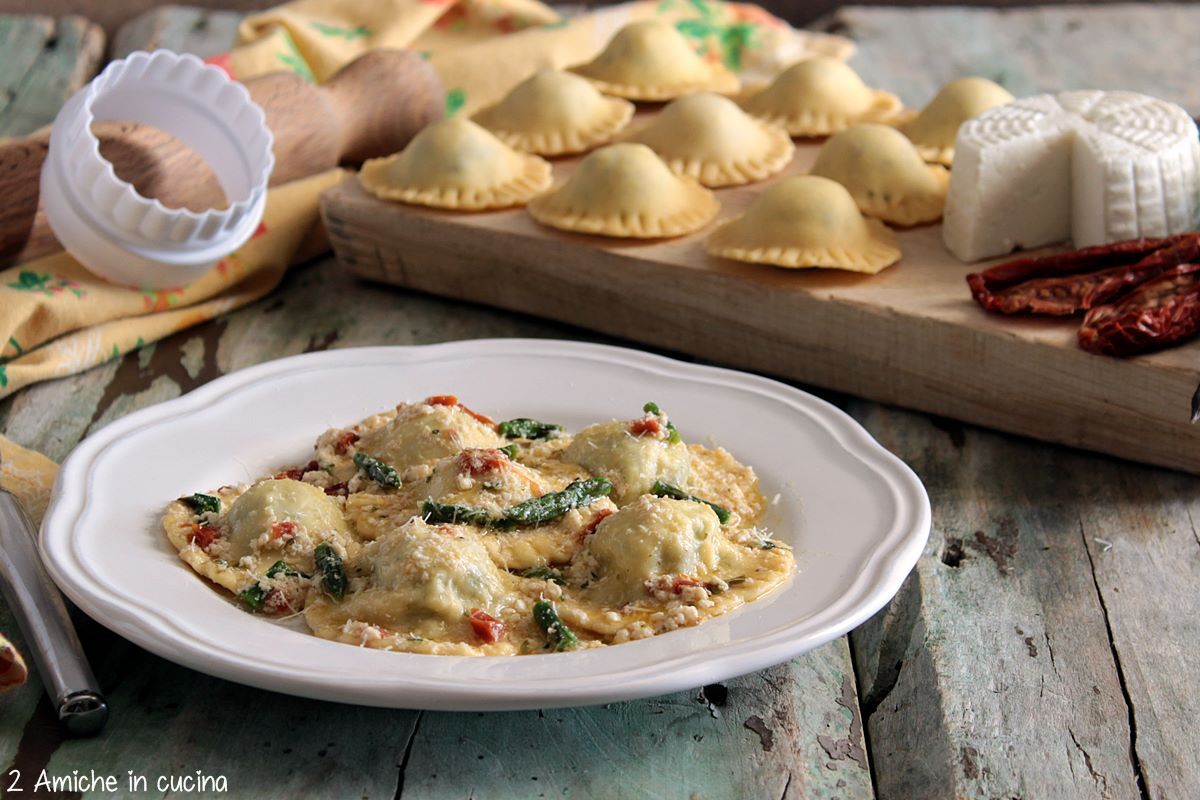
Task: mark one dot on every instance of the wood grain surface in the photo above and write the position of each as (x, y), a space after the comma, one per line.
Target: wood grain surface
(1042, 648)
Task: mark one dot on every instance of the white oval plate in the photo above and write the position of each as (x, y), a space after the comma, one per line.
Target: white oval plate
(857, 517)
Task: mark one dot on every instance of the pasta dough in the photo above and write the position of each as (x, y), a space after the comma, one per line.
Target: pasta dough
(807, 221)
(458, 165)
(934, 130)
(820, 96)
(626, 190)
(706, 137)
(651, 60)
(884, 173)
(555, 113)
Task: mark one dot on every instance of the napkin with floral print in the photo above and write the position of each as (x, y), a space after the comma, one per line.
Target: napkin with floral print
(482, 48)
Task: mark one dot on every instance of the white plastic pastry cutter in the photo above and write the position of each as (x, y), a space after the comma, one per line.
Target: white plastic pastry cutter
(120, 235)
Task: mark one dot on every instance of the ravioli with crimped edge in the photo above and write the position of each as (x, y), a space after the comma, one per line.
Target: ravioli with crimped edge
(432, 528)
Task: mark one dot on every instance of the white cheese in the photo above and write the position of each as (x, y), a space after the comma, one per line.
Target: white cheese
(1094, 167)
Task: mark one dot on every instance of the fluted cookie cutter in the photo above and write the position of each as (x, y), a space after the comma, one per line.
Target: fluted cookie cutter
(117, 233)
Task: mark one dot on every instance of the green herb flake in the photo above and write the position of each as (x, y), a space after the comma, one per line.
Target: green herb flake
(203, 503)
(558, 636)
(285, 569)
(376, 470)
(254, 597)
(544, 574)
(525, 428)
(767, 544)
(511, 451)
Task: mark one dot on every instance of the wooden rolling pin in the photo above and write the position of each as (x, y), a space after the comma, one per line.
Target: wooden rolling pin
(372, 107)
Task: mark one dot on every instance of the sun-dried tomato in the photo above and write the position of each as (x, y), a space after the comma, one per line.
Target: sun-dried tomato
(681, 581)
(296, 473)
(276, 602)
(1159, 313)
(594, 523)
(486, 626)
(342, 446)
(480, 462)
(284, 530)
(452, 400)
(646, 426)
(338, 490)
(203, 535)
(1068, 283)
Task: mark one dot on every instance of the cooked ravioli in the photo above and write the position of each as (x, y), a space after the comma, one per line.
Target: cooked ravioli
(806, 221)
(657, 536)
(555, 113)
(626, 190)
(632, 454)
(884, 173)
(433, 529)
(708, 138)
(421, 433)
(651, 60)
(456, 164)
(819, 96)
(934, 130)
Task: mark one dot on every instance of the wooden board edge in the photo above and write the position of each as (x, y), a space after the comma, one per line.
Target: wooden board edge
(1127, 408)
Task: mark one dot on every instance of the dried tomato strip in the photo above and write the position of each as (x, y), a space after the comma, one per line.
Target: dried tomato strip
(645, 426)
(486, 627)
(1160, 313)
(1068, 283)
(452, 400)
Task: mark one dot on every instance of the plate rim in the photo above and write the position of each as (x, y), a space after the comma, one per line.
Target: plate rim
(876, 582)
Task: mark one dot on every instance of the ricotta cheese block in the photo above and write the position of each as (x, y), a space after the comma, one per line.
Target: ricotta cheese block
(1090, 166)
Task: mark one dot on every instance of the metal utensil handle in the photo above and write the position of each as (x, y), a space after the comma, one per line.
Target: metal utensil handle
(42, 617)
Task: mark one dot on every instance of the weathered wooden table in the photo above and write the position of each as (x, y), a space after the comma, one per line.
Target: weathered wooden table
(1043, 648)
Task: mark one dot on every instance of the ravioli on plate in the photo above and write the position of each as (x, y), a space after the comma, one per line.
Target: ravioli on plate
(432, 528)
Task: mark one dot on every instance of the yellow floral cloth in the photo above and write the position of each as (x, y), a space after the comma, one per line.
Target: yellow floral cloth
(56, 319)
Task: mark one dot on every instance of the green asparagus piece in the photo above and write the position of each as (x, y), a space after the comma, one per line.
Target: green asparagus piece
(558, 636)
(333, 574)
(254, 596)
(663, 489)
(544, 574)
(525, 428)
(376, 470)
(536, 511)
(203, 503)
(549, 507)
(511, 451)
(454, 514)
(673, 436)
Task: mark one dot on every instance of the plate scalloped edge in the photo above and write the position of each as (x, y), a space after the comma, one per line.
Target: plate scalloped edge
(875, 584)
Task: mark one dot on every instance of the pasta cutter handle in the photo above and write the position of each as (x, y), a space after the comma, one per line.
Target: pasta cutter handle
(42, 616)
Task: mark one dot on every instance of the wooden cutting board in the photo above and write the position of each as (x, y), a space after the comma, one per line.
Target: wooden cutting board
(911, 335)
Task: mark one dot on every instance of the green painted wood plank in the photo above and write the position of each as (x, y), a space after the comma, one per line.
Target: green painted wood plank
(996, 656)
(67, 60)
(1135, 46)
(1140, 530)
(170, 721)
(791, 731)
(22, 39)
(185, 29)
